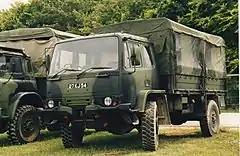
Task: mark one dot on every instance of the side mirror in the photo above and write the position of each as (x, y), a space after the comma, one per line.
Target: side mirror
(47, 62)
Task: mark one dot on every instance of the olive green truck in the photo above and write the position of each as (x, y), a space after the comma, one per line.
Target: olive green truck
(23, 81)
(136, 74)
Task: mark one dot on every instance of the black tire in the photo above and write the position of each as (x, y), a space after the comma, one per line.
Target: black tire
(25, 126)
(210, 124)
(149, 126)
(72, 134)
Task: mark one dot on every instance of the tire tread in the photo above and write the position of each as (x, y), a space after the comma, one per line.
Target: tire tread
(204, 125)
(148, 121)
(70, 140)
(12, 128)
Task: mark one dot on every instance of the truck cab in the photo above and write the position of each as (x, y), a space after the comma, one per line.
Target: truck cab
(94, 74)
(16, 75)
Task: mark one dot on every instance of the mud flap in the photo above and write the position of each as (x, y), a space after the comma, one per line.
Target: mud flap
(163, 111)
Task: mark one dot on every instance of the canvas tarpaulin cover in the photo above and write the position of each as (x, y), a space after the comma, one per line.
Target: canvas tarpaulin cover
(34, 41)
(178, 48)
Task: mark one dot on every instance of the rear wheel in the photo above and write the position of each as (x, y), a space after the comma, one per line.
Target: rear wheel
(150, 128)
(25, 126)
(72, 134)
(211, 121)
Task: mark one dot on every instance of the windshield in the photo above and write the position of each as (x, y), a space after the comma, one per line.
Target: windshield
(6, 61)
(84, 54)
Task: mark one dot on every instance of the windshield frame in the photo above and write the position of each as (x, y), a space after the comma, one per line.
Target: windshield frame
(119, 40)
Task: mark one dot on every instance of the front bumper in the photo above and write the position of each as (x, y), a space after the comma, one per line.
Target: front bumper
(56, 113)
(61, 112)
(93, 107)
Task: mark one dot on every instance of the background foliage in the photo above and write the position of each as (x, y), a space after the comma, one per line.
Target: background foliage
(218, 17)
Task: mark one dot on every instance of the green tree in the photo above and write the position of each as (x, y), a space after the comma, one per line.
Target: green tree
(218, 17)
(65, 15)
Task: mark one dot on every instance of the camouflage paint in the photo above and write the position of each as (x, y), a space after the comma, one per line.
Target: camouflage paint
(6, 89)
(11, 84)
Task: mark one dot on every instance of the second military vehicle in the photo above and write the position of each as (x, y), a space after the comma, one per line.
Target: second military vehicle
(137, 74)
(20, 95)
(37, 42)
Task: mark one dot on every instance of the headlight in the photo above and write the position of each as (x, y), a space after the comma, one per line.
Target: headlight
(50, 103)
(107, 101)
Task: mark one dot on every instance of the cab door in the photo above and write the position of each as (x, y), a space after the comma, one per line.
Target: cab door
(135, 68)
(136, 75)
(21, 75)
(11, 79)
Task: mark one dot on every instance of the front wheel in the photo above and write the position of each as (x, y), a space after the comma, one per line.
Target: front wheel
(150, 128)
(210, 123)
(25, 126)
(72, 134)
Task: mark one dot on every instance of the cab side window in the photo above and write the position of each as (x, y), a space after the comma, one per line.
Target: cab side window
(134, 52)
(145, 50)
(126, 56)
(132, 55)
(138, 59)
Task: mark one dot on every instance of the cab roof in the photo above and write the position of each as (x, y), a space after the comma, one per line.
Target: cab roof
(119, 34)
(11, 50)
(33, 33)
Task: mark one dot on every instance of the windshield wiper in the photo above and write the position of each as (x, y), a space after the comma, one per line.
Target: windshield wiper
(63, 70)
(91, 68)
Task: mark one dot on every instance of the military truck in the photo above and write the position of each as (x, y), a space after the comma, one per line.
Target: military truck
(19, 96)
(137, 74)
(37, 43)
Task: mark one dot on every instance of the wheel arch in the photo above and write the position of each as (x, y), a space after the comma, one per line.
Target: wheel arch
(24, 98)
(148, 95)
(215, 98)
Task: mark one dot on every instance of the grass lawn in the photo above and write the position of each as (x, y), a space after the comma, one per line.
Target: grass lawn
(173, 142)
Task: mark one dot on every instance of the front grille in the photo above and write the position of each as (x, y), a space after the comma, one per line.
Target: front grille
(77, 100)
